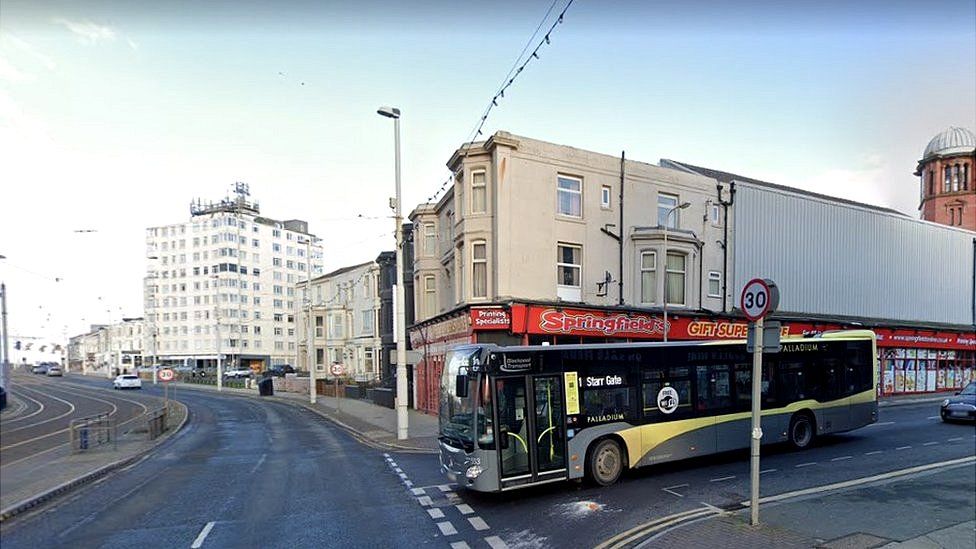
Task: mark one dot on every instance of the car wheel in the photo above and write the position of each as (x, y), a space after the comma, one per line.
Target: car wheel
(606, 462)
(802, 431)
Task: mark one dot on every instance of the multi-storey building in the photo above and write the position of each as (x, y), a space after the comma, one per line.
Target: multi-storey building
(109, 349)
(344, 308)
(223, 284)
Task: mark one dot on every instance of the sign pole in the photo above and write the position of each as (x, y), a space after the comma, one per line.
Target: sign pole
(756, 422)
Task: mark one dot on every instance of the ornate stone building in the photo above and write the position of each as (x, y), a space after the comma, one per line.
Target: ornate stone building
(948, 189)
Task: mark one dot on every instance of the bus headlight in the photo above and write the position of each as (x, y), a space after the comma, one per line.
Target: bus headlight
(473, 472)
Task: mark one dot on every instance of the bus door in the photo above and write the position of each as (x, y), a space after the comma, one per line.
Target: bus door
(531, 429)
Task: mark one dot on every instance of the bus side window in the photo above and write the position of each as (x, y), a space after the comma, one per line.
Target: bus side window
(768, 385)
(743, 387)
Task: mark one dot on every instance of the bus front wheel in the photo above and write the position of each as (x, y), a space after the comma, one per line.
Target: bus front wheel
(606, 462)
(802, 431)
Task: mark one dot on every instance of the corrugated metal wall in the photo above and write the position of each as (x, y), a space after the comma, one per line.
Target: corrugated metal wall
(831, 258)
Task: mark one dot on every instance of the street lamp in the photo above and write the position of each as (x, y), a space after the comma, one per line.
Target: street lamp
(400, 321)
(152, 324)
(667, 216)
(309, 338)
(220, 369)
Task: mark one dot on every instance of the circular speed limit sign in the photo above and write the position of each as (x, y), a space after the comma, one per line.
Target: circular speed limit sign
(337, 369)
(166, 374)
(759, 298)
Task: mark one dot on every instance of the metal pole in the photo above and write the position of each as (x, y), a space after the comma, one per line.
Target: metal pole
(665, 277)
(5, 364)
(220, 369)
(310, 338)
(401, 329)
(756, 423)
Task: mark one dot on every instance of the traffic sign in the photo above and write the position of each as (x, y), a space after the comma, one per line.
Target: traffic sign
(337, 369)
(759, 298)
(166, 374)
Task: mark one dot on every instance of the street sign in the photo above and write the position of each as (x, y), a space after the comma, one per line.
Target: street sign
(166, 375)
(336, 369)
(770, 339)
(760, 296)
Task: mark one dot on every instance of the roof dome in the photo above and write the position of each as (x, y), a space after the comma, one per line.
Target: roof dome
(951, 141)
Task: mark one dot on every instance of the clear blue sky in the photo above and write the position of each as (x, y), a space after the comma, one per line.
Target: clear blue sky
(115, 114)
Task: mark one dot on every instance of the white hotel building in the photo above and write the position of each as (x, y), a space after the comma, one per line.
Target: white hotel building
(223, 283)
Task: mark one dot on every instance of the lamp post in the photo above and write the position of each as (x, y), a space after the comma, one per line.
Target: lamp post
(310, 336)
(152, 315)
(220, 369)
(667, 216)
(400, 320)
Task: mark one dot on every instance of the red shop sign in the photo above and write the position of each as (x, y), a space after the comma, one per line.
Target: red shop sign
(597, 323)
(490, 319)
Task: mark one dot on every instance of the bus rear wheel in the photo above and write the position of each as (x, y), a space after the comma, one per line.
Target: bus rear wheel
(802, 431)
(606, 462)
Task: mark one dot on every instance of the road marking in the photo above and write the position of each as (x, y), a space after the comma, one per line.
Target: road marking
(643, 531)
(460, 545)
(259, 463)
(403, 476)
(903, 448)
(202, 536)
(435, 513)
(417, 491)
(720, 479)
(478, 523)
(880, 423)
(670, 489)
(874, 453)
(496, 542)
(672, 493)
(932, 417)
(398, 470)
(386, 455)
(930, 444)
(841, 458)
(447, 528)
(424, 500)
(464, 509)
(954, 439)
(712, 507)
(444, 487)
(767, 471)
(805, 464)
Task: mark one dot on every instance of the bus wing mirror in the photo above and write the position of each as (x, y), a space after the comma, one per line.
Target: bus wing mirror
(461, 386)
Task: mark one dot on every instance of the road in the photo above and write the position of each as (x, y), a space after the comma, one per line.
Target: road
(259, 473)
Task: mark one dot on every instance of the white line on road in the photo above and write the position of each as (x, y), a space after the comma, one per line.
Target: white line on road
(880, 423)
(720, 479)
(464, 509)
(417, 491)
(408, 483)
(874, 453)
(670, 489)
(672, 493)
(478, 523)
(447, 528)
(460, 545)
(805, 464)
(435, 513)
(763, 472)
(444, 487)
(841, 458)
(197, 543)
(932, 417)
(930, 443)
(259, 463)
(712, 507)
(954, 439)
(424, 500)
(398, 470)
(496, 542)
(403, 476)
(903, 448)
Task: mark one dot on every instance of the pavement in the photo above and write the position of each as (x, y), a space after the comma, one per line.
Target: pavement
(29, 483)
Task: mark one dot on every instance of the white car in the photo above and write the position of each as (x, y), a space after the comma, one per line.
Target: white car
(239, 373)
(127, 381)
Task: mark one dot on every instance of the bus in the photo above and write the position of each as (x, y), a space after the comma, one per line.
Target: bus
(512, 417)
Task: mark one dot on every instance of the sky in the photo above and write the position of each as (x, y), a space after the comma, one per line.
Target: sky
(114, 115)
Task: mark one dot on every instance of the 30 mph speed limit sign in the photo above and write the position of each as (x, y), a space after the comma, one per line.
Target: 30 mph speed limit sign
(759, 298)
(166, 374)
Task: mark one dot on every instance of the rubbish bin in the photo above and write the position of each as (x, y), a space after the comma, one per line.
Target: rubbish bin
(266, 387)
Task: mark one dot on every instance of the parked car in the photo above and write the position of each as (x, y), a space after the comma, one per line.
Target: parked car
(127, 381)
(239, 373)
(55, 370)
(961, 407)
(39, 369)
(279, 370)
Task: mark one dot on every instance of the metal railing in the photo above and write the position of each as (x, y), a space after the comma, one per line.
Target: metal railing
(156, 422)
(91, 432)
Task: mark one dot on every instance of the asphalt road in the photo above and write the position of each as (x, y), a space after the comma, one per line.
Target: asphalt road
(48, 404)
(248, 472)
(243, 473)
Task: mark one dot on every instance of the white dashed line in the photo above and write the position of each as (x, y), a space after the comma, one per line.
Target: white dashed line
(932, 417)
(720, 479)
(478, 523)
(398, 470)
(403, 476)
(841, 458)
(672, 493)
(954, 439)
(444, 487)
(930, 444)
(409, 484)
(424, 500)
(670, 489)
(880, 423)
(464, 509)
(767, 471)
(435, 513)
(447, 528)
(496, 542)
(903, 448)
(197, 543)
(874, 453)
(460, 545)
(417, 491)
(805, 464)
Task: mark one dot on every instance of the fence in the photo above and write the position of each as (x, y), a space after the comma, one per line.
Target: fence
(156, 422)
(94, 431)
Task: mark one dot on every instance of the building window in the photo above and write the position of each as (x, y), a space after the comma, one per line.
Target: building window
(479, 270)
(714, 284)
(569, 272)
(430, 295)
(675, 279)
(368, 322)
(946, 179)
(648, 277)
(931, 182)
(478, 193)
(665, 202)
(319, 357)
(715, 214)
(430, 239)
(605, 196)
(569, 196)
(335, 326)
